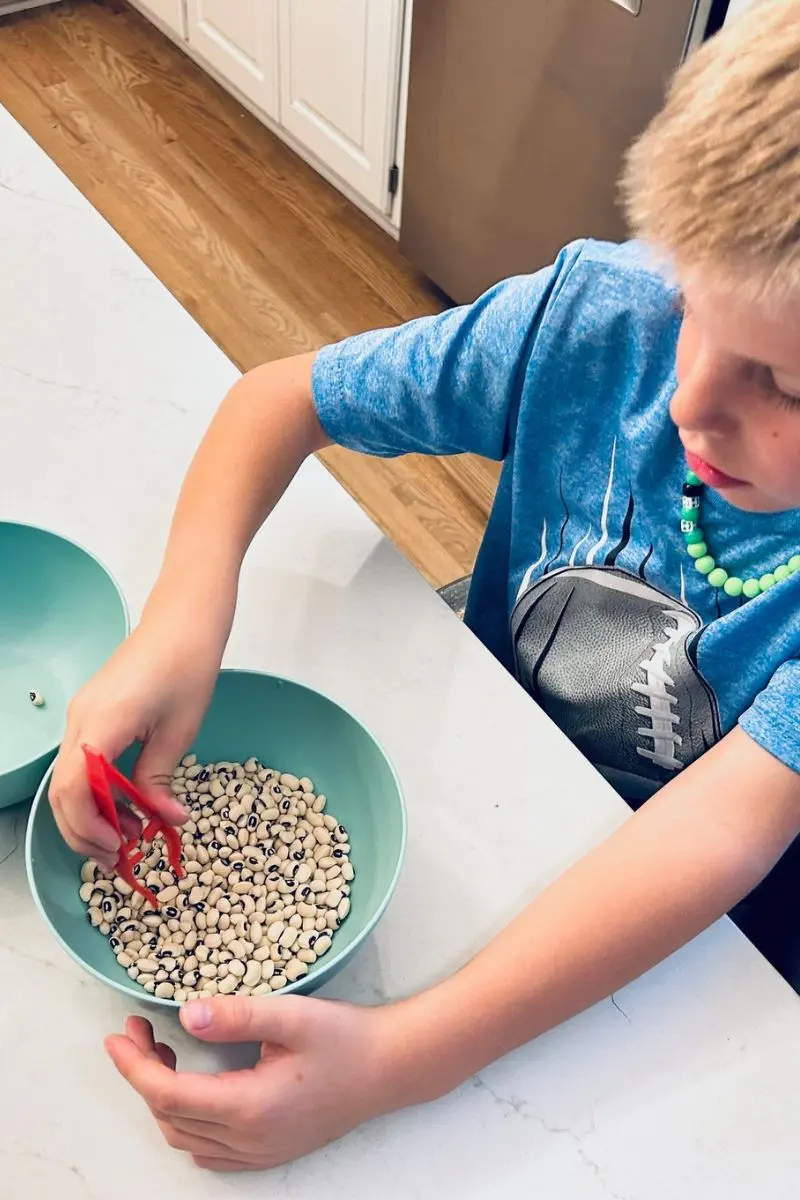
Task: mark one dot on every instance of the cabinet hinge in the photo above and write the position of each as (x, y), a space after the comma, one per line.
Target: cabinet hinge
(394, 179)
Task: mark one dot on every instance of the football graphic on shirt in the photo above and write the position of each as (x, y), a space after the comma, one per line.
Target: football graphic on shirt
(611, 659)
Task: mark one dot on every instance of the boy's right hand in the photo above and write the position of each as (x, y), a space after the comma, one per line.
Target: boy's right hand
(154, 690)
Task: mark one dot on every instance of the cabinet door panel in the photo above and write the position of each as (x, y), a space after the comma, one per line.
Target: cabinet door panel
(339, 70)
(240, 41)
(169, 12)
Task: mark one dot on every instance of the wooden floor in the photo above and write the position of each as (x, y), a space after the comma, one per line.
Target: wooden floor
(267, 257)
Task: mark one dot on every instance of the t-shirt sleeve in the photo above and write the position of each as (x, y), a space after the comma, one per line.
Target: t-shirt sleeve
(439, 385)
(773, 719)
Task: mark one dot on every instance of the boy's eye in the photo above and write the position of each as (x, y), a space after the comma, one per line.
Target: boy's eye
(764, 378)
(787, 399)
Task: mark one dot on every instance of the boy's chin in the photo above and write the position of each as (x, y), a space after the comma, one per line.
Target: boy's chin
(751, 499)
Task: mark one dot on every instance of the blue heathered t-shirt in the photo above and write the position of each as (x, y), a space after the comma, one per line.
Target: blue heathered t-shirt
(583, 587)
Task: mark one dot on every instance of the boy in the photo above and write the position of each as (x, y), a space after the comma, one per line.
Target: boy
(639, 575)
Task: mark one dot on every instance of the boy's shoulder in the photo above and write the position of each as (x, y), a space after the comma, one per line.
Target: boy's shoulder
(629, 269)
(590, 286)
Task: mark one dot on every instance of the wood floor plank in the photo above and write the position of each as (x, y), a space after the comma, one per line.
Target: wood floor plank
(265, 255)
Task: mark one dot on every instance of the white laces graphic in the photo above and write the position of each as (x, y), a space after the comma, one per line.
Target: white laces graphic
(659, 709)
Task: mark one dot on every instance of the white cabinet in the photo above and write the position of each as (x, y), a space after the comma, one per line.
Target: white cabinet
(327, 75)
(339, 80)
(239, 38)
(171, 13)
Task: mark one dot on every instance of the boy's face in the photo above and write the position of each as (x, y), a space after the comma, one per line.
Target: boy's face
(737, 406)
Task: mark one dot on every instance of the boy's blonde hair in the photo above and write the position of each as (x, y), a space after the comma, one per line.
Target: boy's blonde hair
(715, 179)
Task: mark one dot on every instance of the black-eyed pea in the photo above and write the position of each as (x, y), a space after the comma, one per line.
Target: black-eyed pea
(295, 969)
(89, 870)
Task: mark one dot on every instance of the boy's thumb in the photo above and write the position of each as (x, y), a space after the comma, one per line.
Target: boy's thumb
(244, 1019)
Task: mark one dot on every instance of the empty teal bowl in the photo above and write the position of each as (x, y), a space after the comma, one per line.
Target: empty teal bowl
(61, 616)
(289, 727)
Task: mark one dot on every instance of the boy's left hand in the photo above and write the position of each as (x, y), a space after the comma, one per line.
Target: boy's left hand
(319, 1076)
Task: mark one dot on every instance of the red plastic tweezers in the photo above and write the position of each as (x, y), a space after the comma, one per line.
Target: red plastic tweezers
(103, 778)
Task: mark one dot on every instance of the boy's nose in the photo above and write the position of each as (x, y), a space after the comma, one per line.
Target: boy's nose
(703, 401)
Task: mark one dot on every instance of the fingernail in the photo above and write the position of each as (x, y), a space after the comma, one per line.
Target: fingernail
(196, 1015)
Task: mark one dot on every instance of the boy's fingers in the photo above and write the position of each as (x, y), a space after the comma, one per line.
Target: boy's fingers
(223, 1164)
(153, 772)
(167, 1055)
(190, 1143)
(129, 823)
(74, 806)
(215, 1131)
(140, 1031)
(167, 1091)
(80, 845)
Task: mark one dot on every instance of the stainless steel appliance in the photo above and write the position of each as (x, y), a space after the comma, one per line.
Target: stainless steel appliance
(519, 114)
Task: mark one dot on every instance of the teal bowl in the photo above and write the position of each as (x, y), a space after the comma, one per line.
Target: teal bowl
(61, 616)
(287, 726)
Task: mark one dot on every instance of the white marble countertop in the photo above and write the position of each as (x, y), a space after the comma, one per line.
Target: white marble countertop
(685, 1086)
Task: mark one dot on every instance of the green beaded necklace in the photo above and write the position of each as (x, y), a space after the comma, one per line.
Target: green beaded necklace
(695, 540)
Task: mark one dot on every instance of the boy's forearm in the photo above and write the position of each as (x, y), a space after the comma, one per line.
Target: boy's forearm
(678, 865)
(264, 429)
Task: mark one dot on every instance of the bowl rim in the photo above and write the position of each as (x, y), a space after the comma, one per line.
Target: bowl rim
(141, 996)
(126, 617)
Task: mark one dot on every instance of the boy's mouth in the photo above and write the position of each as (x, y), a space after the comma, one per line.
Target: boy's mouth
(711, 475)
